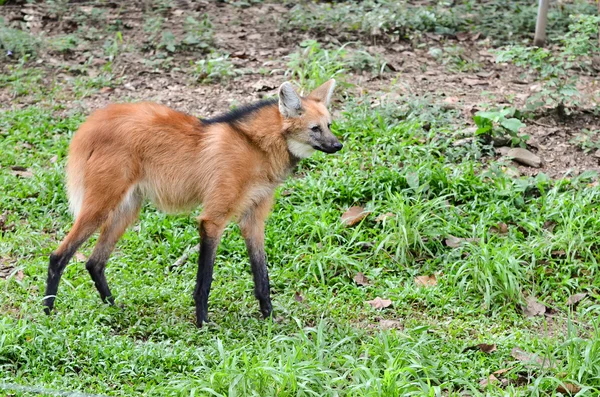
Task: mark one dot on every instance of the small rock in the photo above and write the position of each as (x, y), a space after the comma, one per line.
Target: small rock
(596, 63)
(499, 141)
(263, 85)
(129, 86)
(525, 157)
(597, 154)
(502, 150)
(462, 141)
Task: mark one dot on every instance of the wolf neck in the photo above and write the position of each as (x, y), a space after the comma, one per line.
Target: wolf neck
(264, 129)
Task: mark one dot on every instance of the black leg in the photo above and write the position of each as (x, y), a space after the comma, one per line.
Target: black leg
(96, 270)
(57, 265)
(206, 262)
(258, 263)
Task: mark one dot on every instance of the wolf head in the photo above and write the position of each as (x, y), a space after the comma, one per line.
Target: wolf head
(307, 122)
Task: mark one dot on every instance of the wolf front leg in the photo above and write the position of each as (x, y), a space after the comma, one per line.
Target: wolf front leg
(210, 235)
(252, 226)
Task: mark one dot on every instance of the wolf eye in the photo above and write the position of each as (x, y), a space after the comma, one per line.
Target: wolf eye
(316, 128)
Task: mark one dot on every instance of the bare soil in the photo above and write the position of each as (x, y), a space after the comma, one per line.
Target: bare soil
(259, 46)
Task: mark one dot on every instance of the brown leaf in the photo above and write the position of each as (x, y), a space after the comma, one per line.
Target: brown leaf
(390, 324)
(502, 371)
(19, 275)
(105, 90)
(573, 299)
(426, 281)
(23, 174)
(298, 297)
(486, 75)
(558, 253)
(528, 358)
(361, 279)
(568, 388)
(354, 215)
(18, 168)
(549, 225)
(263, 85)
(486, 381)
(379, 303)
(501, 228)
(4, 227)
(382, 217)
(80, 257)
(462, 36)
(484, 347)
(473, 82)
(533, 307)
(451, 100)
(54, 159)
(455, 242)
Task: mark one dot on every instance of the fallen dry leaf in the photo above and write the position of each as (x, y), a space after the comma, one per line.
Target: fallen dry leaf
(451, 100)
(426, 281)
(455, 242)
(486, 381)
(529, 358)
(390, 324)
(573, 299)
(523, 356)
(549, 225)
(483, 347)
(263, 85)
(20, 275)
(105, 90)
(379, 303)
(361, 279)
(472, 82)
(23, 174)
(568, 388)
(501, 228)
(80, 257)
(53, 159)
(298, 297)
(382, 217)
(502, 371)
(354, 215)
(5, 268)
(3, 226)
(533, 307)
(462, 36)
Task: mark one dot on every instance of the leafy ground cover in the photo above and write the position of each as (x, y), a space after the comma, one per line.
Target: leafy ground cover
(417, 261)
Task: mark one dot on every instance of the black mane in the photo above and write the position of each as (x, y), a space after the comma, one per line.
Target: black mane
(239, 113)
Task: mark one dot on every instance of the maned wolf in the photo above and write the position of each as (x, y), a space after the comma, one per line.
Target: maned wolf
(230, 164)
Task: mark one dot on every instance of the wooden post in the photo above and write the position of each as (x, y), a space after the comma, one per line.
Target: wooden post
(541, 23)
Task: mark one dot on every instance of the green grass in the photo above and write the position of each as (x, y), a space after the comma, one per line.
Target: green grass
(330, 343)
(394, 20)
(399, 162)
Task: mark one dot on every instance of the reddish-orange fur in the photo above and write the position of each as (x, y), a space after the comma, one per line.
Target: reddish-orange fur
(127, 152)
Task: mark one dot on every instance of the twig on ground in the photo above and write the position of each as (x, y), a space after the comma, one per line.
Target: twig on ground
(184, 257)
(542, 124)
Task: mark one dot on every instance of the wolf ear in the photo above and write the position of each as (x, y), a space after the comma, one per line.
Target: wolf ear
(323, 92)
(290, 104)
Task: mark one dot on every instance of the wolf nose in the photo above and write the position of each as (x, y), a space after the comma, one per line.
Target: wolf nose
(337, 146)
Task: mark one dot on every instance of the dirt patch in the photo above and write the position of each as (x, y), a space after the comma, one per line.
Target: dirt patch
(258, 48)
